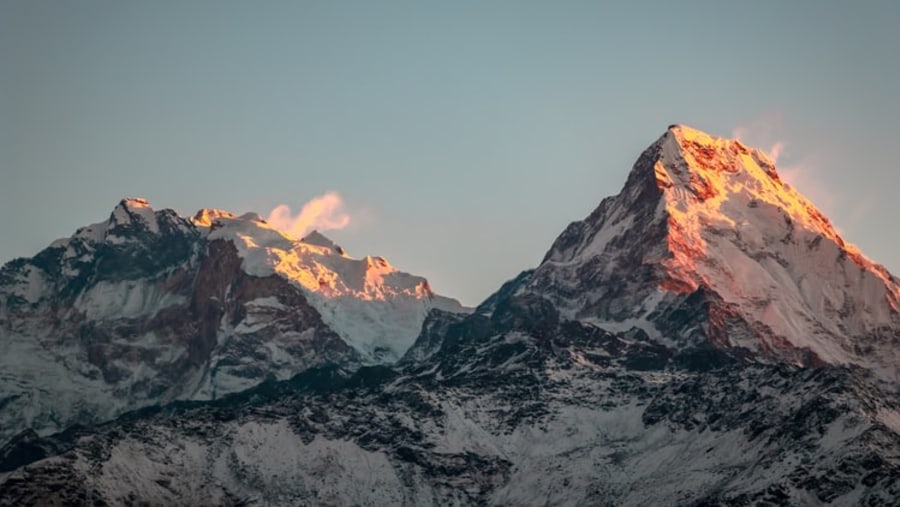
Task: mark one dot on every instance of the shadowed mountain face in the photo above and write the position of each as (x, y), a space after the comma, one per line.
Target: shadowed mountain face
(705, 337)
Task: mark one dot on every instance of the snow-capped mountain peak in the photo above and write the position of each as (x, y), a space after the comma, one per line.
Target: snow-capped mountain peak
(133, 212)
(148, 306)
(708, 180)
(707, 216)
(206, 216)
(711, 182)
(376, 308)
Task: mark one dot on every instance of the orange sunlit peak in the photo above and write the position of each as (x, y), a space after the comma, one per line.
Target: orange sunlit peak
(136, 202)
(206, 216)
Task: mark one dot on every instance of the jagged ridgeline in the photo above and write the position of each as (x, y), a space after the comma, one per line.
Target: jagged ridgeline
(148, 307)
(704, 337)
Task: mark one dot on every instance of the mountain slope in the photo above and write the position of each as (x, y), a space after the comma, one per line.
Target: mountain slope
(516, 409)
(710, 218)
(374, 307)
(148, 307)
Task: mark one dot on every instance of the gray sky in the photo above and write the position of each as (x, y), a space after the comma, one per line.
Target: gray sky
(462, 136)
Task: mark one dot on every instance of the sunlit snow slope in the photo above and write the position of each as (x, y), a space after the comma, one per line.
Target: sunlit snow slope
(708, 219)
(373, 306)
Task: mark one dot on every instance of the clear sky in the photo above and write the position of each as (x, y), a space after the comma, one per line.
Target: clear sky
(462, 136)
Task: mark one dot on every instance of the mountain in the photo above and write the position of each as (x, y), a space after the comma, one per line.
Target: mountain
(709, 220)
(705, 337)
(148, 307)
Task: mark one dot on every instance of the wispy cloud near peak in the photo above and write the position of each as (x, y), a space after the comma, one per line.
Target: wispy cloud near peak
(322, 213)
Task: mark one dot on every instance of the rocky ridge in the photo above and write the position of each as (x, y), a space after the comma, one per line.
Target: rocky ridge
(149, 307)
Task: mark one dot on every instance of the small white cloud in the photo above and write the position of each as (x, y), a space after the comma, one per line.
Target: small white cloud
(322, 213)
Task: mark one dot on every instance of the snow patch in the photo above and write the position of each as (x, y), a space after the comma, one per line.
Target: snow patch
(126, 299)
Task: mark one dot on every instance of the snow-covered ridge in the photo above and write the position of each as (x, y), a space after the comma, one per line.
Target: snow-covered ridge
(736, 227)
(376, 308)
(706, 215)
(712, 181)
(147, 307)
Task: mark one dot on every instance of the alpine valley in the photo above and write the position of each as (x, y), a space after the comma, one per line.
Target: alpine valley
(705, 337)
